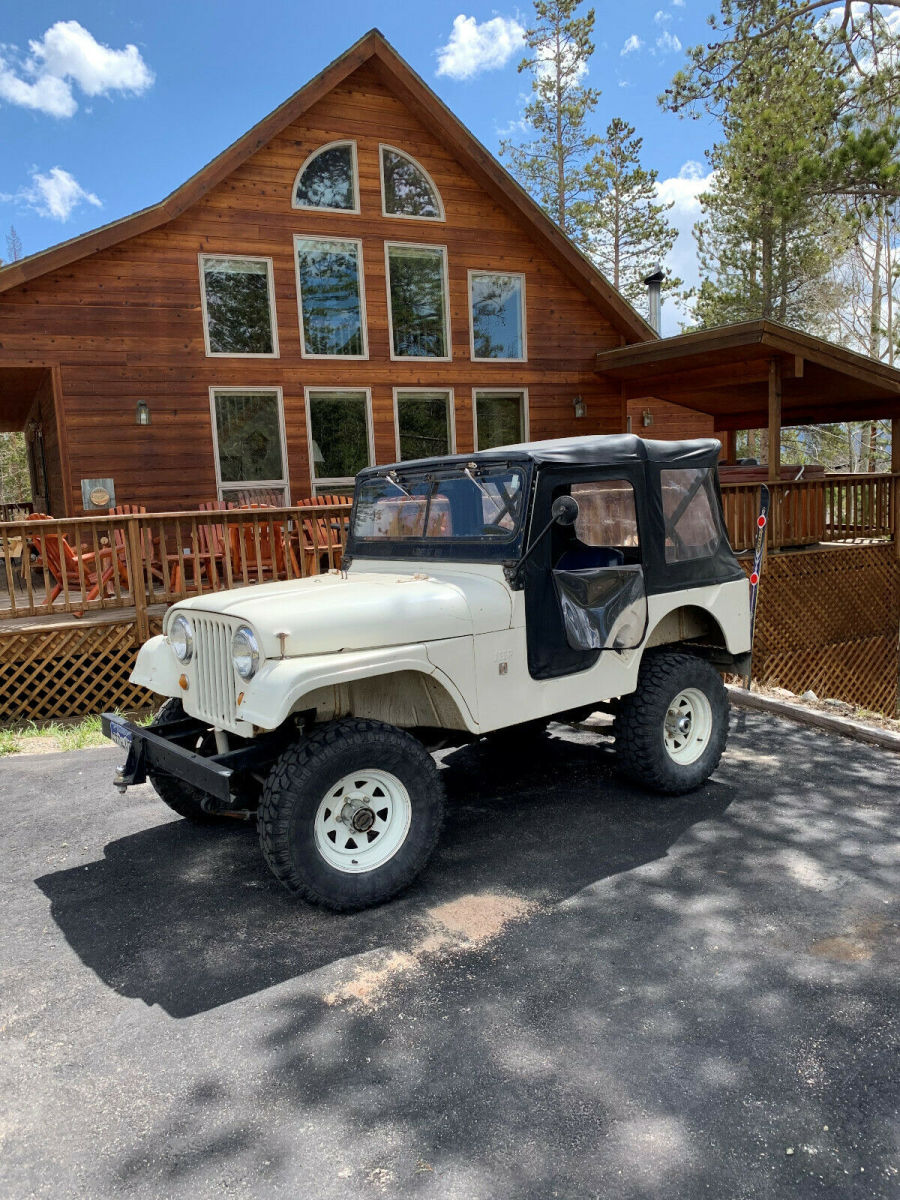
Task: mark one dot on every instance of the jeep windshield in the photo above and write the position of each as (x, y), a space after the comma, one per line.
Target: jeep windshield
(463, 503)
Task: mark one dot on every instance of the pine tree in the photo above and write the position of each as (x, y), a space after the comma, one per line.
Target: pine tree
(551, 165)
(13, 245)
(626, 223)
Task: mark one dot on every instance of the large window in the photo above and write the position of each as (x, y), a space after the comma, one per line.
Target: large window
(328, 179)
(407, 190)
(500, 418)
(248, 427)
(497, 305)
(424, 421)
(339, 426)
(331, 296)
(238, 306)
(417, 301)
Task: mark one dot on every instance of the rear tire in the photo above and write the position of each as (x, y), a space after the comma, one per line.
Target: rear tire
(670, 733)
(181, 797)
(350, 815)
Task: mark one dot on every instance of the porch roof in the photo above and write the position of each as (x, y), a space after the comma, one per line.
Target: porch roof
(728, 373)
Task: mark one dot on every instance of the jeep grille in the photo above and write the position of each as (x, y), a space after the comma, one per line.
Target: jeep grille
(214, 683)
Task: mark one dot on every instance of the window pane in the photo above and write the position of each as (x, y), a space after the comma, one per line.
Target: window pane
(499, 420)
(237, 306)
(327, 181)
(497, 316)
(329, 296)
(606, 513)
(340, 446)
(691, 527)
(424, 425)
(407, 192)
(247, 427)
(418, 304)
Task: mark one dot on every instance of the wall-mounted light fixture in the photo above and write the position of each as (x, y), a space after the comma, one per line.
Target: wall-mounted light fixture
(579, 405)
(142, 413)
(647, 417)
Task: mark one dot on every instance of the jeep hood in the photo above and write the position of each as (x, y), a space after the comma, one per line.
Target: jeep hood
(326, 614)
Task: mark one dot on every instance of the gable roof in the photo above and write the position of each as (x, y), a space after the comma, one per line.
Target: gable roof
(403, 80)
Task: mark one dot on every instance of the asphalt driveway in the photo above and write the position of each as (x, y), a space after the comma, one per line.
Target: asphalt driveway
(590, 993)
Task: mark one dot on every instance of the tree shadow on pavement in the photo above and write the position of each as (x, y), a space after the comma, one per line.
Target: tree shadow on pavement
(190, 918)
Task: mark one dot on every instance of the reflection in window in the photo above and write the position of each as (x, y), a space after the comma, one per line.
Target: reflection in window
(499, 419)
(339, 433)
(418, 302)
(487, 509)
(330, 294)
(497, 315)
(688, 511)
(248, 439)
(606, 513)
(328, 180)
(407, 190)
(238, 305)
(423, 424)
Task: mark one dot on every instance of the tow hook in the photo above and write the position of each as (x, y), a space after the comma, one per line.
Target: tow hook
(119, 782)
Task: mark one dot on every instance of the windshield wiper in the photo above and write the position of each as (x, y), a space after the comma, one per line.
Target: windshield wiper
(487, 495)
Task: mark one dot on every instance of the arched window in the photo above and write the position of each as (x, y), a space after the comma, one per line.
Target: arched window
(328, 179)
(407, 190)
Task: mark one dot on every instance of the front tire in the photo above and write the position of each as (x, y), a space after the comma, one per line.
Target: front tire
(670, 733)
(350, 815)
(181, 797)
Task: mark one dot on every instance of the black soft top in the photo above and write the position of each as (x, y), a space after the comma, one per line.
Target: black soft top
(602, 451)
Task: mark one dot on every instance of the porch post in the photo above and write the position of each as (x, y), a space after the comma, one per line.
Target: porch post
(730, 446)
(774, 420)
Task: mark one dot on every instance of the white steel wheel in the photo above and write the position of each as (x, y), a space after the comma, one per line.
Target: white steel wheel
(362, 821)
(688, 725)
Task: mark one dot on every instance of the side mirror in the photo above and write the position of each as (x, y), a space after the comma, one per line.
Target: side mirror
(564, 510)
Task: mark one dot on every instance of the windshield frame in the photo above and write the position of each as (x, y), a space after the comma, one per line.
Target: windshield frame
(478, 548)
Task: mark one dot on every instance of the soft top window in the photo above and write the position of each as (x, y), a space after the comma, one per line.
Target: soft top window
(456, 505)
(689, 513)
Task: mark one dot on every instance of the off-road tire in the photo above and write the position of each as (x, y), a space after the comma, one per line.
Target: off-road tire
(299, 781)
(181, 797)
(640, 723)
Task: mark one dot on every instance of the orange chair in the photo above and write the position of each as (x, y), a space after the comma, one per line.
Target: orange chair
(62, 562)
(266, 560)
(152, 565)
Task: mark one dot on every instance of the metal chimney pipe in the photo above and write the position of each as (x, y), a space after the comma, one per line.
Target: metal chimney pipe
(654, 282)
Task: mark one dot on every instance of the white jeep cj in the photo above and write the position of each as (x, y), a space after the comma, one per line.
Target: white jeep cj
(481, 594)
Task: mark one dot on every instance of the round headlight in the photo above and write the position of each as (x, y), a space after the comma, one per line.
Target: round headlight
(245, 652)
(181, 639)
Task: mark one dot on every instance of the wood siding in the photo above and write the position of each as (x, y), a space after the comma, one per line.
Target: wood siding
(670, 421)
(125, 324)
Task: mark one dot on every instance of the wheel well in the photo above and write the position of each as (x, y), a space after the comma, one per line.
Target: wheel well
(407, 699)
(688, 624)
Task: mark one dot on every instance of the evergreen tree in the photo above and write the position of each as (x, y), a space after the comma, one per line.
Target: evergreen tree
(551, 165)
(13, 245)
(625, 222)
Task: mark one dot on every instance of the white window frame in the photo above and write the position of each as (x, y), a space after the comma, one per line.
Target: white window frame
(424, 393)
(311, 158)
(415, 162)
(516, 274)
(522, 393)
(273, 316)
(361, 278)
(250, 484)
(445, 279)
(336, 482)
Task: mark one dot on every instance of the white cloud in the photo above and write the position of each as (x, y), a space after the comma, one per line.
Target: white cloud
(68, 56)
(56, 194)
(661, 17)
(631, 44)
(683, 191)
(473, 48)
(667, 42)
(678, 3)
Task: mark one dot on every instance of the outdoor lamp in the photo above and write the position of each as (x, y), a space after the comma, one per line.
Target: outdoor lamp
(579, 405)
(142, 413)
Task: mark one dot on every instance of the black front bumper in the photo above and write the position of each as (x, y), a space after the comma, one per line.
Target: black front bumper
(163, 750)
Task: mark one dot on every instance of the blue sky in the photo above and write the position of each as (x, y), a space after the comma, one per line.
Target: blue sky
(107, 107)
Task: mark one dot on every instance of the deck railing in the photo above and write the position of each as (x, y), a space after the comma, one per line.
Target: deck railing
(84, 564)
(834, 508)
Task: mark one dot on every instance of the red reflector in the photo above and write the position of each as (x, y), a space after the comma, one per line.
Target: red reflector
(754, 579)
(761, 522)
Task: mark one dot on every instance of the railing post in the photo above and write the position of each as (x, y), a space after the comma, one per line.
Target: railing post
(136, 575)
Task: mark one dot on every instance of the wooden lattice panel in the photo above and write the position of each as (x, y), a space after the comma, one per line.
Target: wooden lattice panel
(68, 671)
(829, 621)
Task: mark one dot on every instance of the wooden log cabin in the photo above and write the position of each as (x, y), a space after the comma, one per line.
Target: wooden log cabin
(355, 280)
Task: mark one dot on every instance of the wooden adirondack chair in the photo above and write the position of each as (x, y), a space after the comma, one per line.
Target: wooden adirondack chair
(267, 561)
(62, 560)
(318, 534)
(152, 566)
